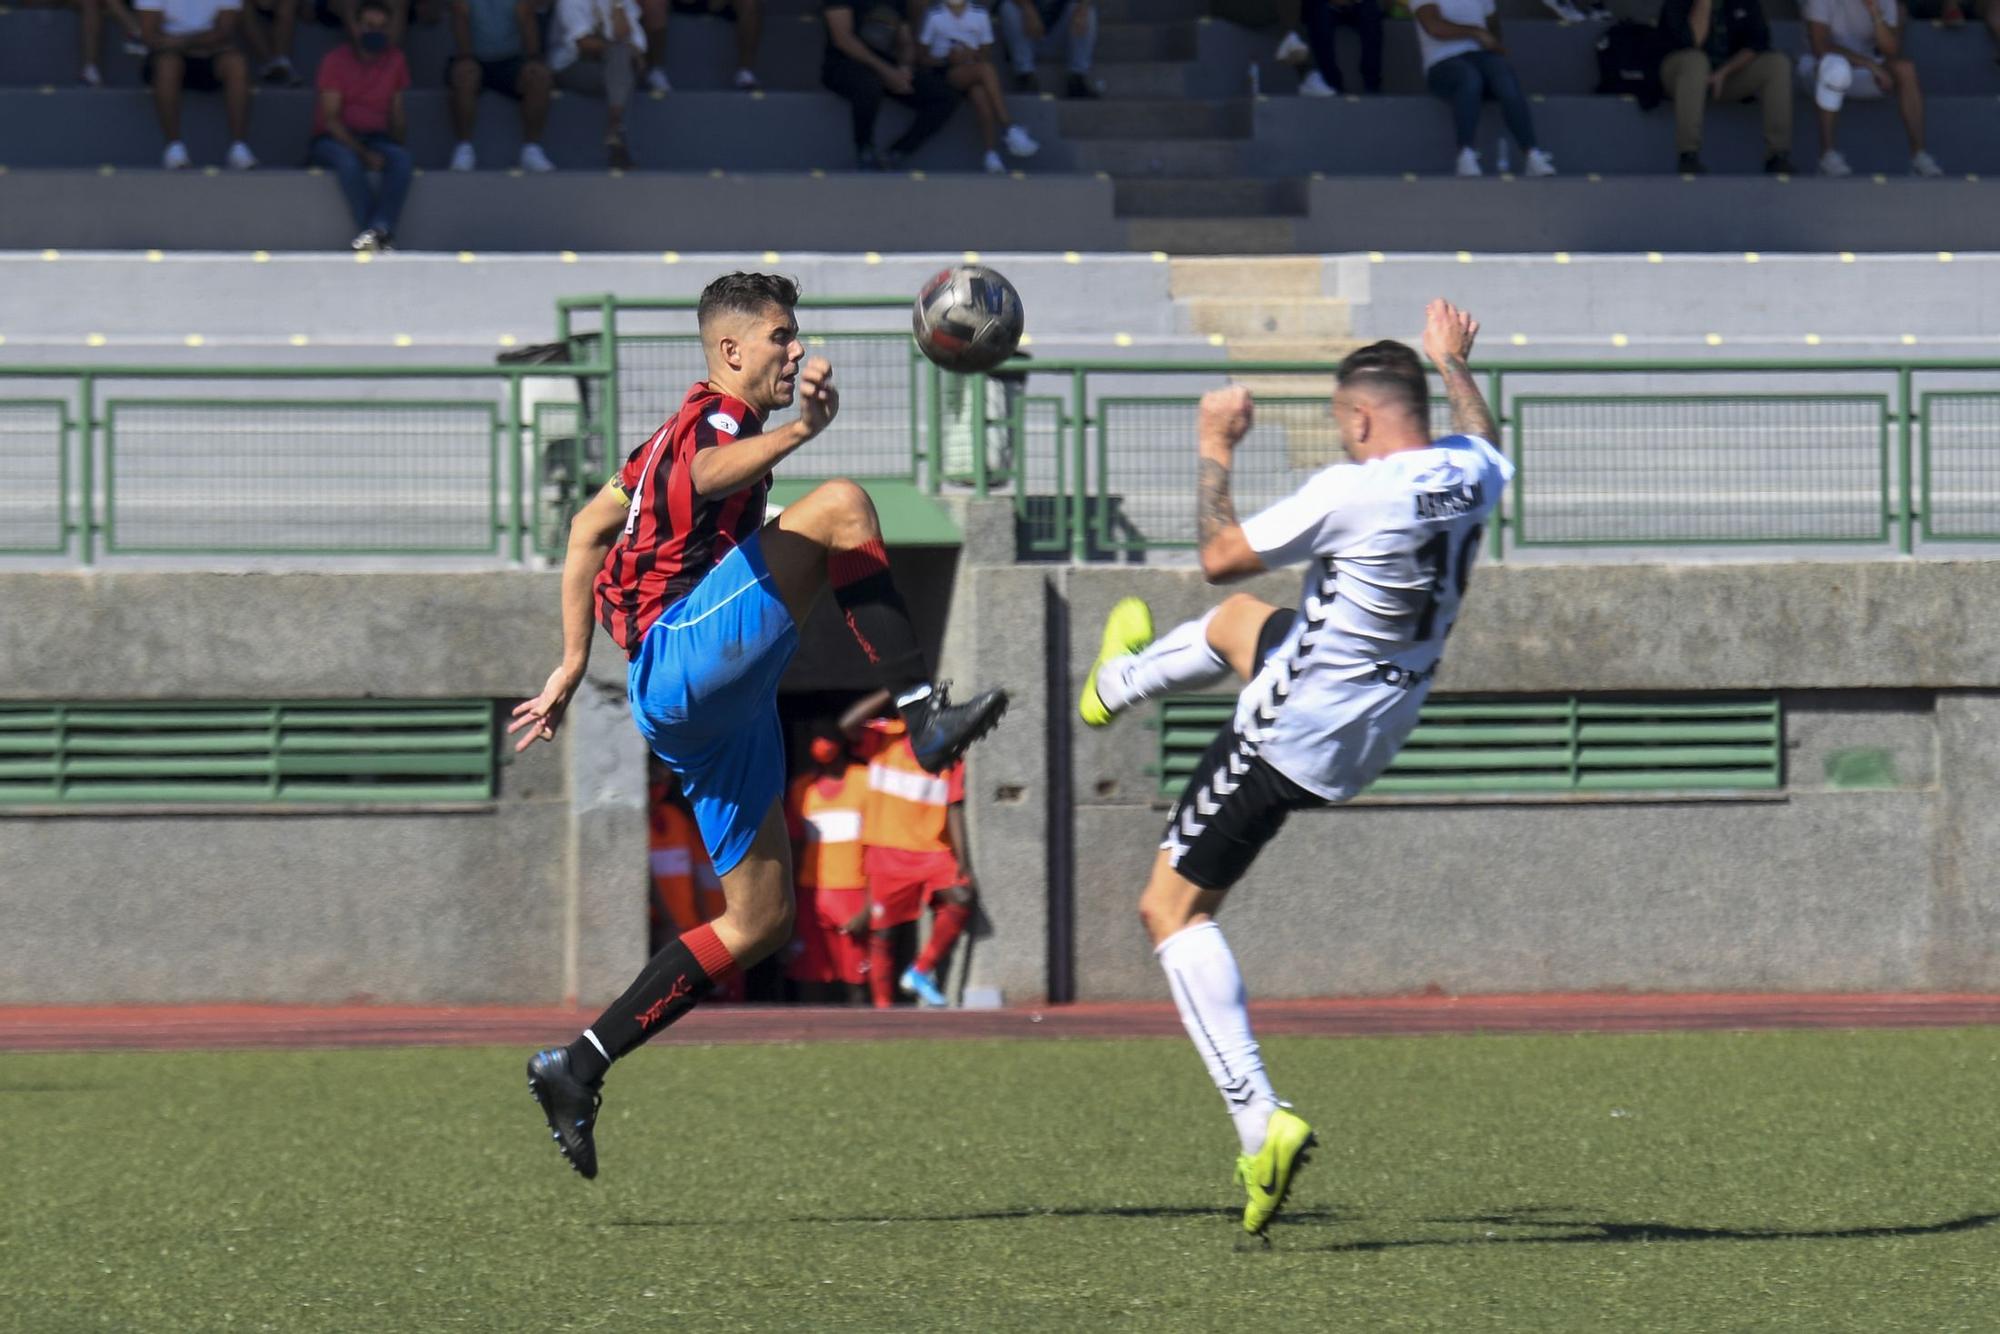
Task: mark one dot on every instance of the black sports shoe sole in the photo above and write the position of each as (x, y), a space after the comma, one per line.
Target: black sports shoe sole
(957, 751)
(536, 1090)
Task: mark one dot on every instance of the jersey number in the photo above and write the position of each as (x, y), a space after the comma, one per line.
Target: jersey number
(1435, 556)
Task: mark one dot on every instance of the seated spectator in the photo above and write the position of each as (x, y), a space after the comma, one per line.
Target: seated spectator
(873, 58)
(1322, 18)
(1027, 23)
(1465, 65)
(359, 126)
(1953, 16)
(1722, 52)
(268, 26)
(191, 44)
(598, 49)
(498, 45)
(1856, 52)
(749, 19)
(957, 38)
(90, 31)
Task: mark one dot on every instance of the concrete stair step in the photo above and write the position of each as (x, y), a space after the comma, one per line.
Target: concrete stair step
(1155, 120)
(1151, 11)
(1214, 236)
(1291, 278)
(1315, 317)
(1145, 41)
(1149, 197)
(1164, 157)
(1155, 79)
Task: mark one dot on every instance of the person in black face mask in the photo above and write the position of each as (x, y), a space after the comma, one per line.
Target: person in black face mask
(359, 125)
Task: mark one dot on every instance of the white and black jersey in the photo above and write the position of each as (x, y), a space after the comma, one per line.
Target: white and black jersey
(1387, 546)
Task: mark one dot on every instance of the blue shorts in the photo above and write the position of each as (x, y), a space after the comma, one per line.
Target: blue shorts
(704, 692)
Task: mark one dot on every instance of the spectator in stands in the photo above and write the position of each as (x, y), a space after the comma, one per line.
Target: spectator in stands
(268, 27)
(957, 38)
(359, 126)
(1321, 19)
(191, 44)
(828, 958)
(1027, 23)
(498, 45)
(1465, 65)
(90, 31)
(598, 51)
(1953, 16)
(1856, 51)
(1720, 50)
(871, 54)
(747, 15)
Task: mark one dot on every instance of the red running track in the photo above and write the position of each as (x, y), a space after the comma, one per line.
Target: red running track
(175, 1027)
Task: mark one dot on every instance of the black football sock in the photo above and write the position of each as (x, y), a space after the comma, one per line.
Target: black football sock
(670, 985)
(876, 615)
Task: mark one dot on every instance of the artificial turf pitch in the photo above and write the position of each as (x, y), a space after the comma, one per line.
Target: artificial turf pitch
(1702, 1182)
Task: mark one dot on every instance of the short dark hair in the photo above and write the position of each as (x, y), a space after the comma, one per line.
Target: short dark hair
(746, 294)
(367, 5)
(1389, 368)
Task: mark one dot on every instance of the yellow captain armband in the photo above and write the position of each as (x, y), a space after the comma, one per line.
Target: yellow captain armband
(618, 491)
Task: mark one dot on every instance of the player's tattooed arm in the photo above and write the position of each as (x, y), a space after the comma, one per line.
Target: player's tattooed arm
(1469, 413)
(1226, 553)
(1214, 510)
(1448, 336)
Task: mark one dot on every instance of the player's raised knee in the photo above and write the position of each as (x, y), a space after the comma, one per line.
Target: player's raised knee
(844, 496)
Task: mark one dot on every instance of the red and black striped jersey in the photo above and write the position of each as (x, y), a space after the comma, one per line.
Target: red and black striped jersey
(672, 536)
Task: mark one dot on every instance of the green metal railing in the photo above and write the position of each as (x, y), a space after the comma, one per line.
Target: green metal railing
(232, 460)
(656, 355)
(1471, 747)
(1888, 451)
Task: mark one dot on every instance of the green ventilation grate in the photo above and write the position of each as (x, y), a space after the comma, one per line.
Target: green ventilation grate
(1473, 747)
(366, 751)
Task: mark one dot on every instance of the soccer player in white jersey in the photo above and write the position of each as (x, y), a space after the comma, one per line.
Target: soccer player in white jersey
(1333, 688)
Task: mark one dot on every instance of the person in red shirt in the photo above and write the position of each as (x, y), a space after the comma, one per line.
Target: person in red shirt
(828, 960)
(675, 560)
(358, 125)
(915, 854)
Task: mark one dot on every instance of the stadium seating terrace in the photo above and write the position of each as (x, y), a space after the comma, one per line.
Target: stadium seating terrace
(1177, 156)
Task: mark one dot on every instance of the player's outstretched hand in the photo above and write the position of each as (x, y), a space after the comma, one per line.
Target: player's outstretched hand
(541, 716)
(818, 399)
(1226, 414)
(1448, 332)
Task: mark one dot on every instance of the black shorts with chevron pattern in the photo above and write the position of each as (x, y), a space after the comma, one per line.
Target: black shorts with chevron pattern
(1233, 805)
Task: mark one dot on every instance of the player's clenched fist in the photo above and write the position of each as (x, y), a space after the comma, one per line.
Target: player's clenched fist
(1448, 332)
(1226, 415)
(818, 399)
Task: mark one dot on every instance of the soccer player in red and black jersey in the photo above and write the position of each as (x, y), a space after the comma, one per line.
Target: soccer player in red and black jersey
(676, 561)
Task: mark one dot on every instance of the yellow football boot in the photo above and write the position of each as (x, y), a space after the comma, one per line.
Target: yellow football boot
(1127, 629)
(1267, 1174)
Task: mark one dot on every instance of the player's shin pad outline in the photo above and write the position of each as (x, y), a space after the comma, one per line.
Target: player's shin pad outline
(1229, 775)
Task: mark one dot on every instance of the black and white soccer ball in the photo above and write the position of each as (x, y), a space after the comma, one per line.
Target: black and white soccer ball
(968, 319)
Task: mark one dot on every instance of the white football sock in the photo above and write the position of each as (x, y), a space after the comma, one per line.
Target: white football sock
(1208, 990)
(1180, 659)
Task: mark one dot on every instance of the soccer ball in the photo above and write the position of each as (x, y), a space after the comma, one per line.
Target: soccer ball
(968, 319)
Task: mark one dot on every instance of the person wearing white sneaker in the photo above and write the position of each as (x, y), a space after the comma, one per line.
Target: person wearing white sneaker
(90, 33)
(534, 159)
(191, 44)
(239, 157)
(597, 50)
(957, 39)
(176, 157)
(1464, 66)
(1468, 163)
(1322, 19)
(1856, 52)
(1292, 50)
(497, 47)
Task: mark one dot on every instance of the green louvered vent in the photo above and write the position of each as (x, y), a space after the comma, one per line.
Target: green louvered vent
(369, 751)
(1551, 745)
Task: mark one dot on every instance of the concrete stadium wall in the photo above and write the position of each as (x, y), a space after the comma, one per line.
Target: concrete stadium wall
(1813, 888)
(537, 895)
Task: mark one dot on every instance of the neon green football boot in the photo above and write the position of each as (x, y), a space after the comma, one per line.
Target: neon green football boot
(1127, 629)
(1267, 1174)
